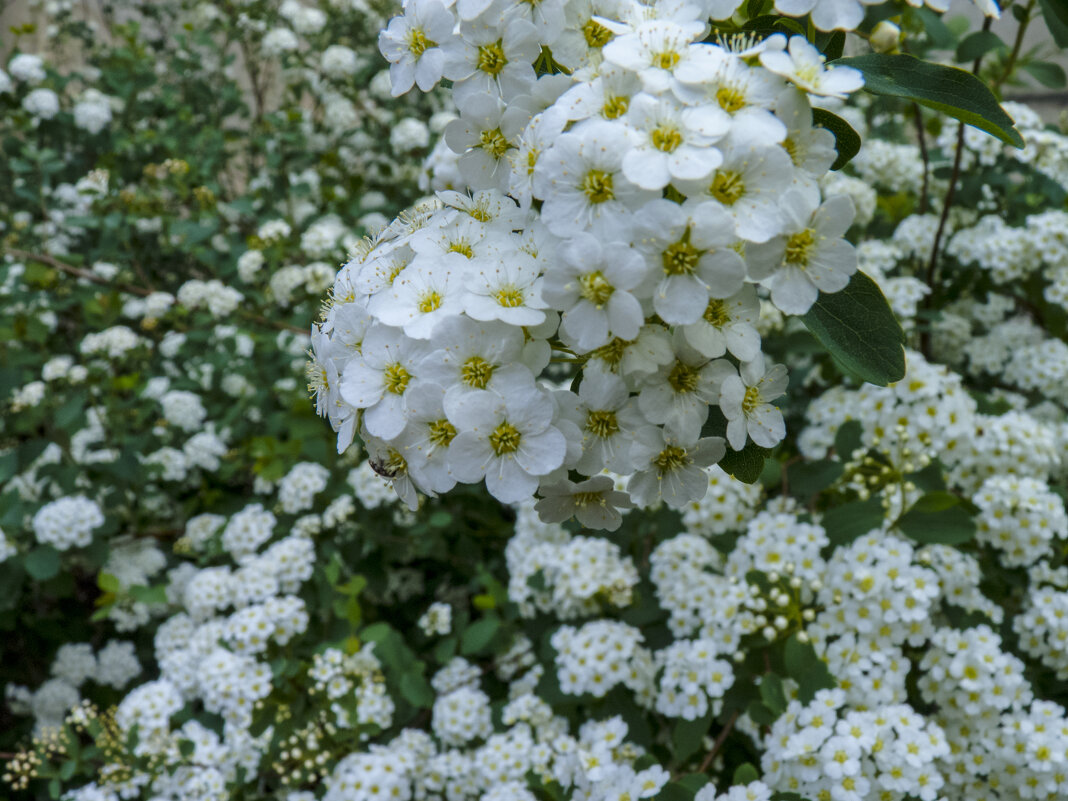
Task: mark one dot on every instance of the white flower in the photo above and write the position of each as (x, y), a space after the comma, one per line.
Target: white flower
(508, 438)
(805, 68)
(580, 179)
(654, 50)
(679, 394)
(687, 248)
(41, 103)
(507, 288)
(591, 284)
(675, 141)
(422, 296)
(411, 43)
(484, 135)
(669, 469)
(745, 402)
(728, 324)
(378, 380)
(595, 503)
(607, 416)
(27, 67)
(810, 256)
(492, 59)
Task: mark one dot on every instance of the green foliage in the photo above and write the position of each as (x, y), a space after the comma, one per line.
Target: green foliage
(860, 331)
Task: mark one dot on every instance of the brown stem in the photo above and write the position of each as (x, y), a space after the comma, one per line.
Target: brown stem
(1017, 45)
(78, 272)
(921, 137)
(947, 204)
(718, 744)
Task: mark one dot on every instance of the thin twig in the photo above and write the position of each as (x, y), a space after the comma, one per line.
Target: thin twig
(947, 204)
(78, 272)
(718, 744)
(1010, 63)
(921, 137)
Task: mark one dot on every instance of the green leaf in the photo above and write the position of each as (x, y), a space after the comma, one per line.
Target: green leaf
(42, 563)
(108, 583)
(760, 714)
(858, 328)
(479, 634)
(416, 690)
(745, 465)
(1047, 73)
(152, 596)
(806, 668)
(977, 44)
(687, 736)
(848, 439)
(934, 519)
(846, 140)
(809, 478)
(772, 693)
(845, 523)
(938, 32)
(947, 89)
(746, 773)
(1056, 15)
(9, 464)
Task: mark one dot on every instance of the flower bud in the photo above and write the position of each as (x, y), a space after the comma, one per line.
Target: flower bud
(886, 37)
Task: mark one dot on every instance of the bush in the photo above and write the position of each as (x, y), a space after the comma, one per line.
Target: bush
(770, 435)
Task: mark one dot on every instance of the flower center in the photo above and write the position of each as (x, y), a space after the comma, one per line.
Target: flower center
(595, 288)
(494, 143)
(598, 186)
(587, 498)
(396, 378)
(596, 34)
(602, 423)
(671, 458)
(683, 378)
(716, 314)
(730, 99)
(442, 432)
(317, 378)
(615, 107)
(791, 149)
(681, 258)
(462, 247)
(418, 43)
(665, 60)
(504, 439)
(751, 399)
(476, 372)
(799, 247)
(430, 301)
(491, 58)
(612, 353)
(727, 187)
(509, 297)
(666, 138)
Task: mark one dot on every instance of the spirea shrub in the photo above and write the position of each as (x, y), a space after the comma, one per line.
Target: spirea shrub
(677, 448)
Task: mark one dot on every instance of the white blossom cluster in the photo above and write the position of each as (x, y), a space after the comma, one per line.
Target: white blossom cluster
(671, 177)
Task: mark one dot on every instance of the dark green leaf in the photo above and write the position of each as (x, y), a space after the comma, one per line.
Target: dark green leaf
(746, 773)
(9, 464)
(479, 634)
(772, 693)
(936, 502)
(931, 522)
(831, 44)
(416, 690)
(846, 140)
(760, 714)
(153, 596)
(1056, 15)
(977, 44)
(947, 89)
(42, 563)
(687, 736)
(806, 668)
(746, 464)
(845, 523)
(848, 439)
(858, 328)
(1047, 73)
(808, 478)
(938, 33)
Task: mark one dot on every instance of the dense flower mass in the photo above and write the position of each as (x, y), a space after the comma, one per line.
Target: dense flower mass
(655, 179)
(709, 562)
